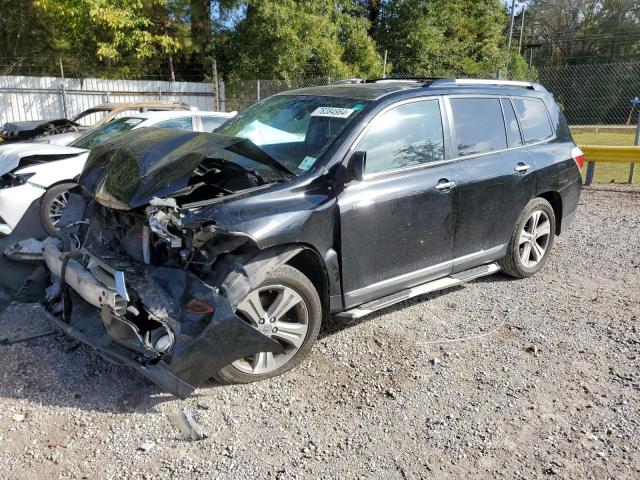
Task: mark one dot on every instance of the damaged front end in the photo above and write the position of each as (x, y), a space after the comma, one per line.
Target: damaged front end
(152, 292)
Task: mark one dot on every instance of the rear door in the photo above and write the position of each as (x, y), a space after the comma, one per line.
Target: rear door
(397, 225)
(494, 174)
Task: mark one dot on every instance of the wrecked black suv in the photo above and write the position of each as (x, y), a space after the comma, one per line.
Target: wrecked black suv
(217, 255)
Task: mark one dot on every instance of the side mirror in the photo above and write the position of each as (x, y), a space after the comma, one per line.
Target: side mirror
(357, 164)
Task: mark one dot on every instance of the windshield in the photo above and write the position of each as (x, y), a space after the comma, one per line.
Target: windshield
(106, 132)
(294, 130)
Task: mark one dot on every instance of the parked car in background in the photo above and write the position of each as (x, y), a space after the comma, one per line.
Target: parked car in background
(32, 171)
(66, 130)
(208, 255)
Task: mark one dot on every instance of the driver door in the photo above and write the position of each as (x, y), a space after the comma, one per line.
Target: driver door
(397, 225)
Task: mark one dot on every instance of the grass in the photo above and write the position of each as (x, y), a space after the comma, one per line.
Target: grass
(608, 172)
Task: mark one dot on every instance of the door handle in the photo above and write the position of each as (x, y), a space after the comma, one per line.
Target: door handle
(445, 185)
(522, 167)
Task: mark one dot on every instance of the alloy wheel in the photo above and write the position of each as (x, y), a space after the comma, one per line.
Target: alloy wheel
(56, 208)
(280, 313)
(534, 238)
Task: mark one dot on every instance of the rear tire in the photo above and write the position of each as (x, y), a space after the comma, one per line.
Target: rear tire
(299, 325)
(531, 240)
(52, 206)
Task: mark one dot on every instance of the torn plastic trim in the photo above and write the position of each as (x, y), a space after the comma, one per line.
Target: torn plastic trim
(206, 340)
(156, 373)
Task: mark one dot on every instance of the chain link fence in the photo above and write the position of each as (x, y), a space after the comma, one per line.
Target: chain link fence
(599, 101)
(242, 93)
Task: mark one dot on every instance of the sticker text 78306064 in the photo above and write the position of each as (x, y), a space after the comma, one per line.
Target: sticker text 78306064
(335, 112)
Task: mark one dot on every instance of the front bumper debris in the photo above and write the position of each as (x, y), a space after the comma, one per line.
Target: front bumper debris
(140, 316)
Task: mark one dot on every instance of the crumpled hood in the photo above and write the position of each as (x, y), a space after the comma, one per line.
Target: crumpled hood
(129, 171)
(17, 127)
(13, 154)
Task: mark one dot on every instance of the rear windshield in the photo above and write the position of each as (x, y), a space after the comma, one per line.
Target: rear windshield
(295, 130)
(106, 132)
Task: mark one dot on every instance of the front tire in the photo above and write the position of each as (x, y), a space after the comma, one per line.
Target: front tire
(531, 240)
(52, 206)
(287, 308)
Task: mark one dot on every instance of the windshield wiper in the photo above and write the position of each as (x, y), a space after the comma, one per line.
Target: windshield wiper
(247, 148)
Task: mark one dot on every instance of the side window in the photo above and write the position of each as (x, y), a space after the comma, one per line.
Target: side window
(533, 119)
(479, 125)
(183, 123)
(513, 131)
(404, 136)
(210, 123)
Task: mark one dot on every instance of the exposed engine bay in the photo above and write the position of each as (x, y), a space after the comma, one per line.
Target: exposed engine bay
(147, 285)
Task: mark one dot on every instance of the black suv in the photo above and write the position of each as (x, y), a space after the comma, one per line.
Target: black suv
(218, 255)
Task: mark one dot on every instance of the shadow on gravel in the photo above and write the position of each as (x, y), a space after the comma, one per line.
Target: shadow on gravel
(56, 370)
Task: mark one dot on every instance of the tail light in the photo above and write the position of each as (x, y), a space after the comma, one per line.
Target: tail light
(578, 156)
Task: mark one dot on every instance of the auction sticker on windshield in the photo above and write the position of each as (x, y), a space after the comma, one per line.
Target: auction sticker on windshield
(334, 112)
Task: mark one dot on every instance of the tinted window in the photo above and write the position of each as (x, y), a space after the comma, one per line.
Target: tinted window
(513, 131)
(407, 135)
(479, 125)
(184, 123)
(105, 132)
(209, 123)
(533, 119)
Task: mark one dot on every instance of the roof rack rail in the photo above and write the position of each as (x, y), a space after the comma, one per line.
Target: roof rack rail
(448, 82)
(400, 79)
(347, 81)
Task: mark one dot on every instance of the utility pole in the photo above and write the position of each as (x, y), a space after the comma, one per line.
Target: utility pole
(216, 85)
(63, 90)
(513, 14)
(521, 30)
(384, 66)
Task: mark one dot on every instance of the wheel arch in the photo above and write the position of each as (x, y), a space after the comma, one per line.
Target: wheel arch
(555, 200)
(309, 261)
(55, 184)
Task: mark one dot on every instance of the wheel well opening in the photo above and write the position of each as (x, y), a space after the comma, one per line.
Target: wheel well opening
(311, 265)
(555, 200)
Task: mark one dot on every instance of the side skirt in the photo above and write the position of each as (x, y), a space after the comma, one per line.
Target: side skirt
(432, 286)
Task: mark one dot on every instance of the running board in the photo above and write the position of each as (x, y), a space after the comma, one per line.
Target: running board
(432, 286)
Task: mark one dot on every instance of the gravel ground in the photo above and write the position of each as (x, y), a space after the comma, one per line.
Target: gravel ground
(498, 379)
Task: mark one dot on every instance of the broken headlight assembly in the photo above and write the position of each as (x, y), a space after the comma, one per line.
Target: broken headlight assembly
(9, 180)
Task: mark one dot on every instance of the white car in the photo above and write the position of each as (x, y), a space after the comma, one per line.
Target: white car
(31, 172)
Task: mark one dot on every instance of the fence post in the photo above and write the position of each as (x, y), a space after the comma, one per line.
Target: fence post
(63, 91)
(591, 166)
(223, 106)
(159, 94)
(632, 169)
(258, 89)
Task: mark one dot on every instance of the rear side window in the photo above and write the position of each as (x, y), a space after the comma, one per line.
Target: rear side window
(479, 125)
(211, 123)
(513, 131)
(407, 135)
(182, 123)
(533, 119)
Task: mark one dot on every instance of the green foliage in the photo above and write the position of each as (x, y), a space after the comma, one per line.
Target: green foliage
(584, 31)
(283, 39)
(444, 37)
(107, 30)
(268, 39)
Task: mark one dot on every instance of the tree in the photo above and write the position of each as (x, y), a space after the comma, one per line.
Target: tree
(444, 37)
(283, 39)
(585, 31)
(109, 31)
